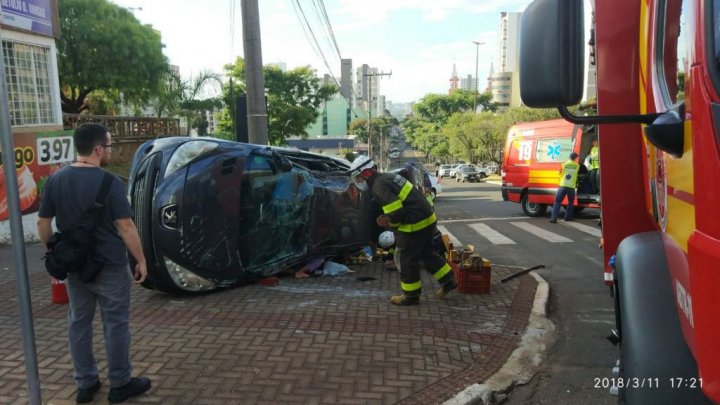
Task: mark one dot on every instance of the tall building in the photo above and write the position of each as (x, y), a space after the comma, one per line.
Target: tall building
(489, 78)
(346, 79)
(453, 80)
(468, 83)
(336, 114)
(505, 82)
(366, 87)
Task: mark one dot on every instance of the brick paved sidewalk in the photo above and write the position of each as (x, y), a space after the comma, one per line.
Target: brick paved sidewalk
(318, 340)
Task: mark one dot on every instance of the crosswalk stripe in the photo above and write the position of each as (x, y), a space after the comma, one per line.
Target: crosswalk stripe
(594, 231)
(492, 235)
(455, 241)
(541, 233)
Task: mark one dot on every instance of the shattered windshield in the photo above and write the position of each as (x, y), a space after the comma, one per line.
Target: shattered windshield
(277, 224)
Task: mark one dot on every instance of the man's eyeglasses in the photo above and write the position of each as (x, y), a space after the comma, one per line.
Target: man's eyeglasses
(110, 145)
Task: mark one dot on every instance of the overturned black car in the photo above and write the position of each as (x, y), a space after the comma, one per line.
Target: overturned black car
(214, 214)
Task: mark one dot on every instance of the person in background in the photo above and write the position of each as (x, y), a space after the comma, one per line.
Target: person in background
(568, 181)
(594, 167)
(406, 210)
(67, 195)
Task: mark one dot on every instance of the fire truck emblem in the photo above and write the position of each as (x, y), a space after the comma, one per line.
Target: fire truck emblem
(661, 188)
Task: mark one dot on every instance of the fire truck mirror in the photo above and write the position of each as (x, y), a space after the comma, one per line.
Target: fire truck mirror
(551, 53)
(666, 133)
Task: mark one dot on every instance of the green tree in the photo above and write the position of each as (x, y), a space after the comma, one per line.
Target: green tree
(103, 47)
(380, 128)
(437, 108)
(461, 130)
(293, 99)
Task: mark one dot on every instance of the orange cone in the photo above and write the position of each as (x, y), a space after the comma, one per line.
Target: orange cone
(59, 291)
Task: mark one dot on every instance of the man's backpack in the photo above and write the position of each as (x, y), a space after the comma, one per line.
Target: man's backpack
(73, 249)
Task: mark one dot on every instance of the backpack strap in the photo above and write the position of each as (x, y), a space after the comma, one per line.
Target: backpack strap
(104, 188)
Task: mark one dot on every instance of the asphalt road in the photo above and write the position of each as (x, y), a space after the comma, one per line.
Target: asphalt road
(580, 304)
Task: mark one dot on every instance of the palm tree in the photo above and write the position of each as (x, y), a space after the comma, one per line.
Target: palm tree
(189, 98)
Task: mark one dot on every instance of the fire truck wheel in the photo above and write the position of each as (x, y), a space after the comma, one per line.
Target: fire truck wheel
(532, 209)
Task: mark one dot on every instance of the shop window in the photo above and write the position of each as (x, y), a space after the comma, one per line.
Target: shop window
(30, 89)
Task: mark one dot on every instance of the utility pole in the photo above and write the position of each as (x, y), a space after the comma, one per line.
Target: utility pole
(254, 81)
(477, 52)
(17, 237)
(369, 126)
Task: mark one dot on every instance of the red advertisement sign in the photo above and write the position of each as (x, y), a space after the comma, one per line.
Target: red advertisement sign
(37, 156)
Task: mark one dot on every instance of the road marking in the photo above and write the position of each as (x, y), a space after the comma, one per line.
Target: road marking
(592, 230)
(451, 221)
(541, 233)
(492, 235)
(455, 241)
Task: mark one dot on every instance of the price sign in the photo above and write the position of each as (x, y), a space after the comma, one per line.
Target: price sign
(53, 150)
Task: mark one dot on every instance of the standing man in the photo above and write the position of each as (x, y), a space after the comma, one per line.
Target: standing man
(67, 195)
(407, 211)
(568, 182)
(594, 168)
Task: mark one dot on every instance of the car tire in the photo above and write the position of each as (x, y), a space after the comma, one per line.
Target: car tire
(457, 179)
(482, 175)
(532, 209)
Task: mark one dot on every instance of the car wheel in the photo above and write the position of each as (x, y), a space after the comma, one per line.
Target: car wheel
(482, 176)
(532, 209)
(457, 179)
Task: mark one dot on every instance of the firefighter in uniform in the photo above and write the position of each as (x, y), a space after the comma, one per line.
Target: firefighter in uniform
(407, 211)
(568, 182)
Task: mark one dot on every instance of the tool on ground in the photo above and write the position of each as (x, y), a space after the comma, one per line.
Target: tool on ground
(521, 272)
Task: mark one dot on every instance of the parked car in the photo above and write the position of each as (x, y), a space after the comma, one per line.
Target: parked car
(394, 153)
(444, 170)
(436, 186)
(453, 170)
(483, 171)
(213, 214)
(467, 173)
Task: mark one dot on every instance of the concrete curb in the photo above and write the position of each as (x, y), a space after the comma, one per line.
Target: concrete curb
(523, 362)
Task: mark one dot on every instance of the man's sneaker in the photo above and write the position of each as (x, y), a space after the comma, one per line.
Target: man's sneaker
(443, 291)
(553, 221)
(403, 299)
(135, 387)
(85, 395)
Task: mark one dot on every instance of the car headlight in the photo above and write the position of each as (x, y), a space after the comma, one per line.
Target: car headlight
(186, 279)
(186, 153)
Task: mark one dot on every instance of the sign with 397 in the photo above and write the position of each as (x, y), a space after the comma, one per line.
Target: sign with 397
(57, 149)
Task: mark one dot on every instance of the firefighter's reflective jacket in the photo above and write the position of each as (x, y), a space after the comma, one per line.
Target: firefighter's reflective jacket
(406, 206)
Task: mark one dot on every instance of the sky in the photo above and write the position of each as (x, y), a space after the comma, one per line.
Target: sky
(417, 40)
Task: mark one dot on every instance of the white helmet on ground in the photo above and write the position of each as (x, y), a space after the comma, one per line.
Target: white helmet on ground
(386, 239)
(361, 163)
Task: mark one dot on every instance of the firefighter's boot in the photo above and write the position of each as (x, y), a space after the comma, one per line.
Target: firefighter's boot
(403, 299)
(443, 291)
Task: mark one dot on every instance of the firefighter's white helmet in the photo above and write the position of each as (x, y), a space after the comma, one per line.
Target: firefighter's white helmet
(386, 239)
(361, 163)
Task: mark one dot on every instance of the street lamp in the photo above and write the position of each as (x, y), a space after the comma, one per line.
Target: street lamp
(477, 52)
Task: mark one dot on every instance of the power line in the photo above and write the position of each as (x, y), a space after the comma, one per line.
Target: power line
(329, 26)
(321, 20)
(305, 31)
(322, 55)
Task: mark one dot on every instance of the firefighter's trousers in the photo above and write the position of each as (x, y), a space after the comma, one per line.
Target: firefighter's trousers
(415, 250)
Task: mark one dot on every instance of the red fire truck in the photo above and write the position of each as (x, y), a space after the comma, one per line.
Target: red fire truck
(658, 123)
